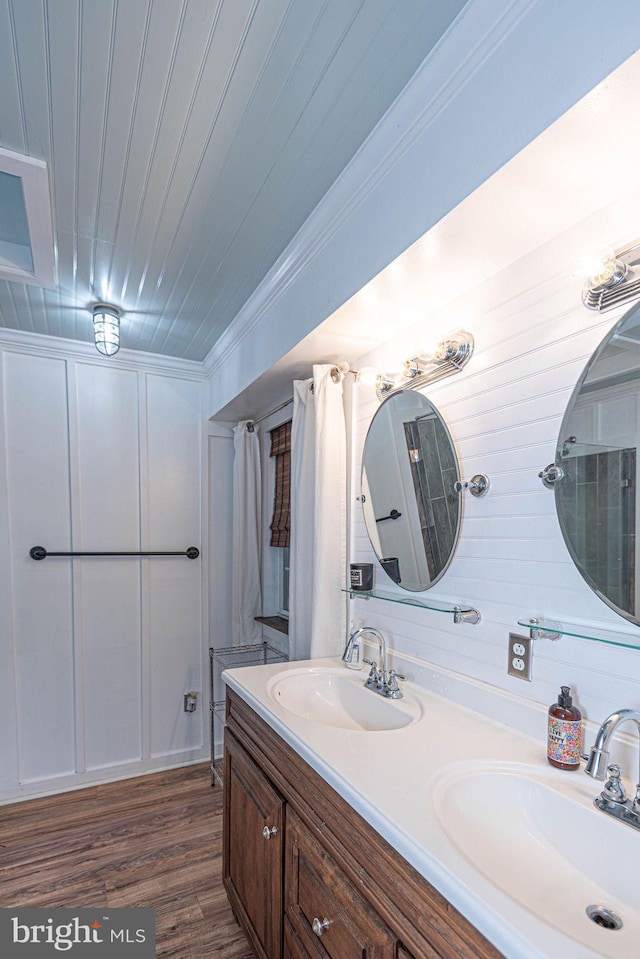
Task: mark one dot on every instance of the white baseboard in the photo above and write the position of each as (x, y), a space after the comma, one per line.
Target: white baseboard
(97, 777)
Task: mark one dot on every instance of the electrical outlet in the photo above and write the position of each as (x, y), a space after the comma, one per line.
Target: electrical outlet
(520, 653)
(190, 702)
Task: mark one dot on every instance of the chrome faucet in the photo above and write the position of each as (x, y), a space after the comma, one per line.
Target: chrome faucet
(613, 798)
(380, 679)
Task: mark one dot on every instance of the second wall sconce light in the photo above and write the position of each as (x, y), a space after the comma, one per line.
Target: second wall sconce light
(615, 280)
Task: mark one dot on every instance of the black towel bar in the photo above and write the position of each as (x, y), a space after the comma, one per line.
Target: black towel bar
(39, 552)
(394, 514)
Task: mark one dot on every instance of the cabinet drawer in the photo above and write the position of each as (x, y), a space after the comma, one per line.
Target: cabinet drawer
(319, 895)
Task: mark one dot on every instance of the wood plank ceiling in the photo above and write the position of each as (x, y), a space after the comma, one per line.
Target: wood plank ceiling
(187, 142)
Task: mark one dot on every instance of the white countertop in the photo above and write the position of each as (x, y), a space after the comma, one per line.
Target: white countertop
(396, 778)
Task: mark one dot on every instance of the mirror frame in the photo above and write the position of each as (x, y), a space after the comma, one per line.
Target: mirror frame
(456, 532)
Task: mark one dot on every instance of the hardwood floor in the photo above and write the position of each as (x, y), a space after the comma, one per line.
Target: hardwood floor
(153, 841)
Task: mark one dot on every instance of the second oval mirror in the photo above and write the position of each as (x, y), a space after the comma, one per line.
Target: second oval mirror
(596, 496)
(411, 510)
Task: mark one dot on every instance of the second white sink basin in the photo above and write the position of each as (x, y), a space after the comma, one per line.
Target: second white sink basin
(540, 840)
(336, 697)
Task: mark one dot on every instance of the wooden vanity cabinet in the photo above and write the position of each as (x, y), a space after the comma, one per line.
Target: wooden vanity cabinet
(253, 850)
(324, 885)
(326, 911)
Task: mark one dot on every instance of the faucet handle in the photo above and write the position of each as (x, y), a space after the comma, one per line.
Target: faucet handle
(374, 674)
(393, 673)
(613, 790)
(392, 686)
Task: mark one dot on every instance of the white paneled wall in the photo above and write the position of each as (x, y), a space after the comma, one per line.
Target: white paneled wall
(533, 338)
(97, 653)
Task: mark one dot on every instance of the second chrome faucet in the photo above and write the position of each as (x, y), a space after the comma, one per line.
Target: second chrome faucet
(380, 679)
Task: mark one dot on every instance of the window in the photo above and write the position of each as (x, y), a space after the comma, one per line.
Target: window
(281, 449)
(280, 523)
(284, 583)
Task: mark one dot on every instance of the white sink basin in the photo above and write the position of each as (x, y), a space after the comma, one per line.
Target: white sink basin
(334, 697)
(538, 838)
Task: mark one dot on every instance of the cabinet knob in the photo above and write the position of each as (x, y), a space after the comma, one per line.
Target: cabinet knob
(269, 831)
(320, 925)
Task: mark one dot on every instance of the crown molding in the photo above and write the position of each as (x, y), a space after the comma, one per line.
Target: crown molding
(479, 30)
(56, 347)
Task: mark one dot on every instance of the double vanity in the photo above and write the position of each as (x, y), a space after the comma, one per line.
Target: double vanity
(425, 822)
(360, 825)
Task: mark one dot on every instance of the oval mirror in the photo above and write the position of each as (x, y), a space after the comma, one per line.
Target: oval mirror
(411, 510)
(596, 496)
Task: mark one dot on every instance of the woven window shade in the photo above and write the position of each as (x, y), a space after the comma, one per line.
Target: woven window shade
(281, 449)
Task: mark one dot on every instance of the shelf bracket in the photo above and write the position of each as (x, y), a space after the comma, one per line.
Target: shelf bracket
(466, 616)
(537, 632)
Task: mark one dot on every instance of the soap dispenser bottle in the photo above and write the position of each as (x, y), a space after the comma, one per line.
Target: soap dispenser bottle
(564, 732)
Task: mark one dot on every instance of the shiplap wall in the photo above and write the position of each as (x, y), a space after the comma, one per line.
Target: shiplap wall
(533, 338)
(97, 652)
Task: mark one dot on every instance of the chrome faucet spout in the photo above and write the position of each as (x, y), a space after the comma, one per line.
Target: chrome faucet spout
(380, 679)
(599, 756)
(613, 798)
(382, 649)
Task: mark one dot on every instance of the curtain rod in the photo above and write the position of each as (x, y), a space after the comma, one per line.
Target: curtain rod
(266, 416)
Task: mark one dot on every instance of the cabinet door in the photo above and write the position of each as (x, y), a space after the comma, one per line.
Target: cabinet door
(327, 913)
(253, 850)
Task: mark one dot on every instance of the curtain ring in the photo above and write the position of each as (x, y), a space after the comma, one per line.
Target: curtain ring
(250, 428)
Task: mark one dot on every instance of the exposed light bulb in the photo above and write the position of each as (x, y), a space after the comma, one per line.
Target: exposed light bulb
(394, 374)
(367, 377)
(593, 262)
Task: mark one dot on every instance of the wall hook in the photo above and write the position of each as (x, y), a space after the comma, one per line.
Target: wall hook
(478, 485)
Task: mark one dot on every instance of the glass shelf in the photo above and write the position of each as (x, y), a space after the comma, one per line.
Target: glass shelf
(550, 629)
(461, 614)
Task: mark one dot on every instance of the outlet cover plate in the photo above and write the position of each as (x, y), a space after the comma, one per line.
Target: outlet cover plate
(520, 655)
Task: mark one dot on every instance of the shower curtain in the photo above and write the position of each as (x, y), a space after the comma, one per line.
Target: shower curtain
(317, 617)
(246, 596)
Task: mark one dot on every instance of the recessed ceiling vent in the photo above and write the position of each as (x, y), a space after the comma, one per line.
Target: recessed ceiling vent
(26, 235)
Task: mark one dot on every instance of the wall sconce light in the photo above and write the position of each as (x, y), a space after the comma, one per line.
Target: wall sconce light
(451, 355)
(614, 280)
(369, 378)
(106, 328)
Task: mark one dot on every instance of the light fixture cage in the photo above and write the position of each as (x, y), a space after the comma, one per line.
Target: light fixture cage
(106, 328)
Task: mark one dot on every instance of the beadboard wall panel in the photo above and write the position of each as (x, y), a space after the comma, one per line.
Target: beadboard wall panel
(99, 651)
(37, 466)
(8, 741)
(220, 495)
(107, 590)
(172, 521)
(533, 338)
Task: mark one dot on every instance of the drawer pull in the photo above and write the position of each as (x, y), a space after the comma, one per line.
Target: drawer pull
(320, 925)
(269, 831)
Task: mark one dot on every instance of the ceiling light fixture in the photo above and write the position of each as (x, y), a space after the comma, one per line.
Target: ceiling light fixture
(106, 328)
